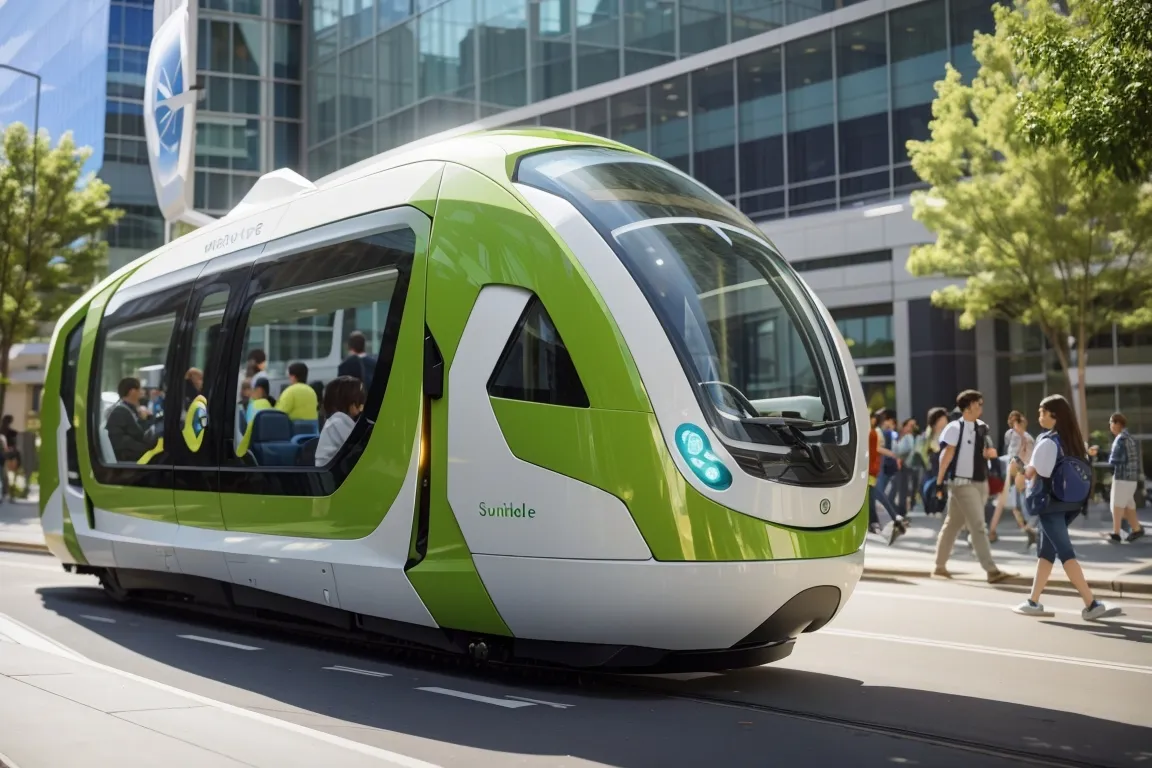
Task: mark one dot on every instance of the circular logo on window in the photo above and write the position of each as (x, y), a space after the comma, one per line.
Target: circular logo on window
(825, 506)
(195, 423)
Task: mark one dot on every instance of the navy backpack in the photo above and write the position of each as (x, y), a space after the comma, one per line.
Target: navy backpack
(1067, 489)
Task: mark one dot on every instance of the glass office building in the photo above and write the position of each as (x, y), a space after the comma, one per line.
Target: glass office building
(248, 119)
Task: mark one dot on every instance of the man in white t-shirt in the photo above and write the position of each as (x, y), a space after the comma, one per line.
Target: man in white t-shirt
(964, 467)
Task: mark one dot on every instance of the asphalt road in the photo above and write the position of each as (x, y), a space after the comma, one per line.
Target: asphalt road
(912, 673)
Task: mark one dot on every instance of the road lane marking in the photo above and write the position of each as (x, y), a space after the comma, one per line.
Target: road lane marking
(990, 604)
(477, 697)
(990, 650)
(101, 619)
(14, 629)
(552, 704)
(238, 646)
(355, 671)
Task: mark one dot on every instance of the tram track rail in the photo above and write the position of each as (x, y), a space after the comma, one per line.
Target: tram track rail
(411, 655)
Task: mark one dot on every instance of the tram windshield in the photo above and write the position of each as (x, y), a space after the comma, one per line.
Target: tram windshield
(745, 328)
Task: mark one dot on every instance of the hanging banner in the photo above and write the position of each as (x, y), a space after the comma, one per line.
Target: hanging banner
(170, 104)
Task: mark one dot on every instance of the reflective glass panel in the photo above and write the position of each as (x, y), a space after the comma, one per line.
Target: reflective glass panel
(714, 127)
(760, 87)
(862, 93)
(919, 52)
(811, 150)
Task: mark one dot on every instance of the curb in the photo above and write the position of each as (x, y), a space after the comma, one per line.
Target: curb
(1120, 587)
(25, 547)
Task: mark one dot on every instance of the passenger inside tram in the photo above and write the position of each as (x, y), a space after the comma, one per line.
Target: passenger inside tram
(344, 399)
(127, 421)
(298, 399)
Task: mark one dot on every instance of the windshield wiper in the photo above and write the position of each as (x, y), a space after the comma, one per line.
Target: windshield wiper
(800, 424)
(792, 430)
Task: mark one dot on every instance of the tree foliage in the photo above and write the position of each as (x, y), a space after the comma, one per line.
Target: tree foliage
(41, 276)
(1036, 237)
(1098, 60)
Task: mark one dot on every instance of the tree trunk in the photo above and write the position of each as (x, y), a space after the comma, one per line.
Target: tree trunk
(1081, 388)
(5, 351)
(1065, 365)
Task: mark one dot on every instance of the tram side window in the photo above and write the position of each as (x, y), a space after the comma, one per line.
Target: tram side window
(293, 351)
(132, 389)
(536, 365)
(68, 397)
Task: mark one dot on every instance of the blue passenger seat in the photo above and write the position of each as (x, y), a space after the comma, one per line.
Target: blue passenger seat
(272, 442)
(305, 427)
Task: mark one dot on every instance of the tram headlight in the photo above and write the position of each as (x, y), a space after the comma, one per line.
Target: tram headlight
(697, 453)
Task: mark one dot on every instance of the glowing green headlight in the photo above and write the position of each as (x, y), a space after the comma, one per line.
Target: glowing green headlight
(697, 451)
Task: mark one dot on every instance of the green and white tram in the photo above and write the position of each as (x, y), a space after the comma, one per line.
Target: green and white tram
(607, 425)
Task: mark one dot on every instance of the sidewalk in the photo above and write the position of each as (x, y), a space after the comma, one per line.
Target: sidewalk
(59, 709)
(20, 524)
(1122, 569)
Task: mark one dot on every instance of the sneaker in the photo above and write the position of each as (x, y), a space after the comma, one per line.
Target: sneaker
(893, 532)
(874, 528)
(1099, 610)
(996, 577)
(1133, 536)
(1029, 608)
(1031, 534)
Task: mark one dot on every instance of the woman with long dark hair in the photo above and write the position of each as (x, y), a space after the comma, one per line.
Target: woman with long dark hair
(1061, 438)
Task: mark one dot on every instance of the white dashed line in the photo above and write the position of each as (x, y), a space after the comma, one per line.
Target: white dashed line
(355, 671)
(998, 606)
(552, 704)
(101, 619)
(238, 646)
(476, 697)
(1011, 652)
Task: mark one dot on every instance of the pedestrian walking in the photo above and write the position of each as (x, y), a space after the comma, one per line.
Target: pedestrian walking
(964, 467)
(1125, 462)
(905, 449)
(937, 420)
(1018, 443)
(876, 452)
(1059, 486)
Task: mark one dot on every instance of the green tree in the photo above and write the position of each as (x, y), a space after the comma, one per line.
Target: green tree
(42, 273)
(1035, 238)
(1098, 59)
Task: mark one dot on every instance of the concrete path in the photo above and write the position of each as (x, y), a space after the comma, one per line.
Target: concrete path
(1111, 568)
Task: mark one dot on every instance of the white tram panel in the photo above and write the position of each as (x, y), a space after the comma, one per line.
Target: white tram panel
(673, 399)
(675, 606)
(558, 516)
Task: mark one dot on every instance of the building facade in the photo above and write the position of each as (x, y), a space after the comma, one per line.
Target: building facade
(248, 119)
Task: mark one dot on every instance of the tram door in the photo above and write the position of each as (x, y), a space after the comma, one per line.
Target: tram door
(203, 382)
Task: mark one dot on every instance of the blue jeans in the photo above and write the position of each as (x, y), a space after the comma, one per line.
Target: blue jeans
(1054, 540)
(876, 496)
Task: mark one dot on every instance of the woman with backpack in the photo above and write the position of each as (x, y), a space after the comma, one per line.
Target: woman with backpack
(1059, 485)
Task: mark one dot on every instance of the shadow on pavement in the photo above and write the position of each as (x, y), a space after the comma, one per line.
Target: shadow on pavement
(634, 723)
(1115, 628)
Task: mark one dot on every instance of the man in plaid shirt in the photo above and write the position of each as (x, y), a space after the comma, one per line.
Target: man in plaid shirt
(1125, 461)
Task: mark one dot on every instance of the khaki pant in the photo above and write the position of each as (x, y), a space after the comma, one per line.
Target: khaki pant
(965, 510)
